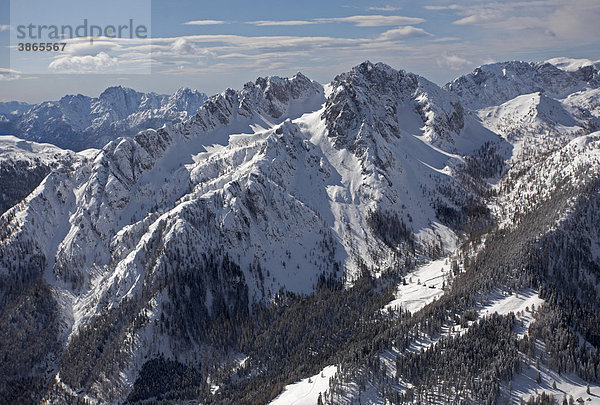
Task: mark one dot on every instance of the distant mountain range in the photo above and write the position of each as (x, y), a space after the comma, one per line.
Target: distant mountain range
(80, 122)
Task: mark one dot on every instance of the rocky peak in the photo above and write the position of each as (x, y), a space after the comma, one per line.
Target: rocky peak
(267, 101)
(278, 96)
(375, 98)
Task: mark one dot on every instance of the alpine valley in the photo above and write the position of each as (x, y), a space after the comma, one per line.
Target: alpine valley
(376, 240)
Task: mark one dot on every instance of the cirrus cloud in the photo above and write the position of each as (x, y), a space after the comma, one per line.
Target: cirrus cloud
(374, 20)
(204, 22)
(267, 23)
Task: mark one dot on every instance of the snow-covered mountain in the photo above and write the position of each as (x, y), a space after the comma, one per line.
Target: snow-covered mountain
(190, 249)
(572, 64)
(534, 102)
(80, 122)
(536, 114)
(497, 83)
(279, 185)
(24, 164)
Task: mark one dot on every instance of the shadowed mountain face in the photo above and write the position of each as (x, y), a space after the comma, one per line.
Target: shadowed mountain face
(256, 237)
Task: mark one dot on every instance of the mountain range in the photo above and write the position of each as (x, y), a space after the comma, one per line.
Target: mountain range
(80, 122)
(379, 237)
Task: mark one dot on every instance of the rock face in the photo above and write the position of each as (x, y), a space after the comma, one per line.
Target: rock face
(380, 99)
(79, 122)
(140, 252)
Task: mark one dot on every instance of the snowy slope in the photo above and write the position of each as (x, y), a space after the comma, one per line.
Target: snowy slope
(422, 286)
(306, 391)
(548, 113)
(532, 115)
(572, 64)
(525, 385)
(543, 173)
(13, 148)
(533, 105)
(393, 145)
(23, 165)
(522, 304)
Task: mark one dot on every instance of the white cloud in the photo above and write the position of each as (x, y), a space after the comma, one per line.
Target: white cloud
(262, 43)
(374, 20)
(83, 47)
(4, 27)
(472, 19)
(404, 33)
(273, 55)
(358, 20)
(220, 41)
(384, 8)
(182, 46)
(446, 39)
(100, 62)
(453, 62)
(481, 17)
(531, 14)
(204, 22)
(230, 49)
(280, 23)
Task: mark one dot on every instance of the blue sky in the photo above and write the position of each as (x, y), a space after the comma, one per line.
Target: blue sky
(214, 45)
